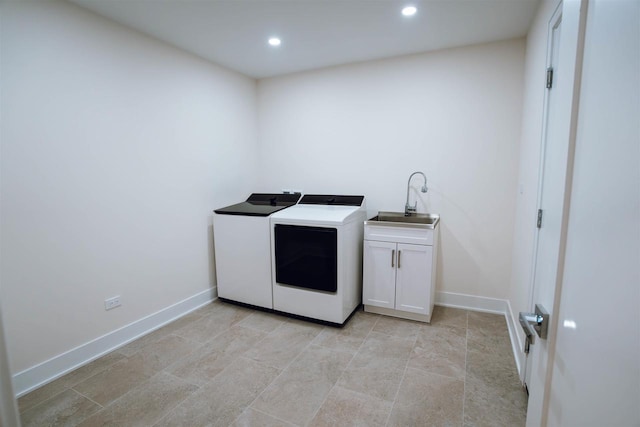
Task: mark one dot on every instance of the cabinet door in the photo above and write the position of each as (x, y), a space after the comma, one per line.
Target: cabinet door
(379, 274)
(413, 279)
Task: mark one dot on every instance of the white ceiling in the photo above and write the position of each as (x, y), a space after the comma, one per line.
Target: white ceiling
(316, 33)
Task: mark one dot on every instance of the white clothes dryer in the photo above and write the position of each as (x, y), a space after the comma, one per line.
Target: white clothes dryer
(316, 249)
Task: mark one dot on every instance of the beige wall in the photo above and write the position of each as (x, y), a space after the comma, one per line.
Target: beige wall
(115, 150)
(116, 147)
(454, 114)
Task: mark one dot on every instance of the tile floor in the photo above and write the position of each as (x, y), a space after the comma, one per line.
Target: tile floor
(225, 365)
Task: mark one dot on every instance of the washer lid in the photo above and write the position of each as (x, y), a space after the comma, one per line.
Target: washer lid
(261, 204)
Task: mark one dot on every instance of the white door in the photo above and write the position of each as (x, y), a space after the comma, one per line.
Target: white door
(8, 407)
(555, 168)
(413, 276)
(379, 275)
(596, 367)
(550, 201)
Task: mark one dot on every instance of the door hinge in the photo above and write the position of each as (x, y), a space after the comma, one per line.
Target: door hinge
(539, 223)
(549, 77)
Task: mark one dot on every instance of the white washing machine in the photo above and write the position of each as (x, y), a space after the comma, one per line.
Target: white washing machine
(242, 240)
(316, 249)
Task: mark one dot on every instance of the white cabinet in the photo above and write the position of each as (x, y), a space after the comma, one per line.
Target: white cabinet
(379, 275)
(398, 277)
(413, 278)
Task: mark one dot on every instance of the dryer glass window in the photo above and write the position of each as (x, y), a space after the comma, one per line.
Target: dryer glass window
(307, 257)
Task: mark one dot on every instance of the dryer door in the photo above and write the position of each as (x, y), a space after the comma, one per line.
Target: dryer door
(306, 257)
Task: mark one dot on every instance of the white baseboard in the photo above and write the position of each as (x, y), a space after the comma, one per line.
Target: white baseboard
(471, 302)
(516, 344)
(487, 305)
(47, 371)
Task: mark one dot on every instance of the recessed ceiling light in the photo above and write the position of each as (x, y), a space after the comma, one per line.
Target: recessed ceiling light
(409, 11)
(274, 41)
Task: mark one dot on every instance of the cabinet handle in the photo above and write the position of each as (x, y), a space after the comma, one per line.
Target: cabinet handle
(399, 252)
(393, 255)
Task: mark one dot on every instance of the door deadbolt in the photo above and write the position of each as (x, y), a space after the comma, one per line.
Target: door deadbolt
(533, 324)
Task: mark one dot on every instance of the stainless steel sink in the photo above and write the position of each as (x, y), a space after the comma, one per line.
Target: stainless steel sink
(398, 219)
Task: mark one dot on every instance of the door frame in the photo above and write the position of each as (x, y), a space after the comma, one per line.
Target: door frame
(556, 16)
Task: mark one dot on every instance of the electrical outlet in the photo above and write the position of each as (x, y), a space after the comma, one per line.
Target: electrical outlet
(111, 303)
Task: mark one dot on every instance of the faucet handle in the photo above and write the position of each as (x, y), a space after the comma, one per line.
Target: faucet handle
(408, 209)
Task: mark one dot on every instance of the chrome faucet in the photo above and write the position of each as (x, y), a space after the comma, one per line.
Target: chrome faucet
(408, 209)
